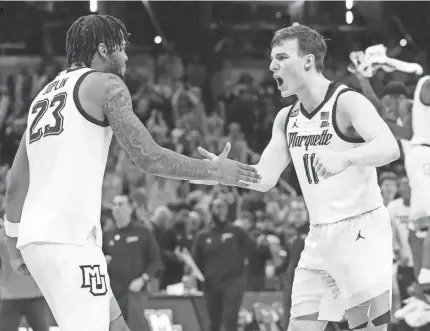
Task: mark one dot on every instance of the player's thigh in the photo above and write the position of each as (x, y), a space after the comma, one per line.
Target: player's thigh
(307, 294)
(363, 268)
(74, 281)
(312, 285)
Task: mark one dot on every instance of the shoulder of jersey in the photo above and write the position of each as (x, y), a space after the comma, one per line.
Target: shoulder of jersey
(292, 110)
(295, 109)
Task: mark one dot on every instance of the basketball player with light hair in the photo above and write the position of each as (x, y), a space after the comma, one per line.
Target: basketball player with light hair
(335, 138)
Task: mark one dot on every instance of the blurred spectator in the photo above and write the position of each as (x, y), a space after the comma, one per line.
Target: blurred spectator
(4, 106)
(112, 186)
(171, 241)
(131, 251)
(388, 184)
(220, 252)
(258, 259)
(239, 148)
(192, 226)
(253, 201)
(140, 201)
(299, 219)
(399, 213)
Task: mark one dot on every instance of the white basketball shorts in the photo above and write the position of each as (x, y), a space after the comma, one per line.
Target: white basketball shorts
(74, 281)
(344, 265)
(417, 164)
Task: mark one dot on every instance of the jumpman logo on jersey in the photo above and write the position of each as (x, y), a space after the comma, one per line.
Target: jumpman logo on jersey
(295, 125)
(359, 236)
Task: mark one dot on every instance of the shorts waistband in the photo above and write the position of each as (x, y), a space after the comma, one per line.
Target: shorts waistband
(348, 218)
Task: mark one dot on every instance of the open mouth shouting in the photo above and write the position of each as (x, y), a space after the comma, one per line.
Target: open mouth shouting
(279, 81)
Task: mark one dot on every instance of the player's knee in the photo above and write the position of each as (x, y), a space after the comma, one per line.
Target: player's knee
(306, 325)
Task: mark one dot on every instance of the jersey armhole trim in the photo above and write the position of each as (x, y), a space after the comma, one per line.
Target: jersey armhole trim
(288, 116)
(78, 104)
(353, 140)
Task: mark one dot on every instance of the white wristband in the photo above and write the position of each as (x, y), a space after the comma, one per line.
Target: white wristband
(11, 229)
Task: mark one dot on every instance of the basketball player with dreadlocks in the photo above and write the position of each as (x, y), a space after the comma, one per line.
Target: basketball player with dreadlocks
(54, 188)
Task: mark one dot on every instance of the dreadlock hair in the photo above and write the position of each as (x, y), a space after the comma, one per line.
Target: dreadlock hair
(87, 32)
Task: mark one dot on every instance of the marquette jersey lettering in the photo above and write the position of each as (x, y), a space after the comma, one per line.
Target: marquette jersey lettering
(347, 194)
(321, 139)
(67, 154)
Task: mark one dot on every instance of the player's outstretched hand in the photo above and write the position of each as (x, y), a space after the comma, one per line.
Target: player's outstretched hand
(231, 173)
(212, 157)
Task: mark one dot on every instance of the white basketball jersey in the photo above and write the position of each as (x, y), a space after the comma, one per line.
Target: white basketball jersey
(420, 117)
(67, 152)
(352, 192)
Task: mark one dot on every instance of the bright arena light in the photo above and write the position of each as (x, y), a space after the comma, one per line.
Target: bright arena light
(403, 42)
(157, 40)
(349, 4)
(93, 6)
(349, 17)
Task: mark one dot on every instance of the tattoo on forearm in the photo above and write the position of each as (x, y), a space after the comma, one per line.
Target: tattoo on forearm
(138, 143)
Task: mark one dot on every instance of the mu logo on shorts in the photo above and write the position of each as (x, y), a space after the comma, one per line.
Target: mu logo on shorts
(93, 279)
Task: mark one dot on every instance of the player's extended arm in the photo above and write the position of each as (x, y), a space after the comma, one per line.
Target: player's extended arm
(146, 153)
(381, 147)
(17, 187)
(274, 158)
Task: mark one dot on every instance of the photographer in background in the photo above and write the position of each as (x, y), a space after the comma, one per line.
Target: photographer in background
(131, 251)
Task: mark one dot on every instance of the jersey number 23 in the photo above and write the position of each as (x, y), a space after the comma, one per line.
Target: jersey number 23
(57, 102)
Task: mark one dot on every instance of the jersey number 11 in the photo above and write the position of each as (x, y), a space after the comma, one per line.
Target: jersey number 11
(58, 101)
(311, 173)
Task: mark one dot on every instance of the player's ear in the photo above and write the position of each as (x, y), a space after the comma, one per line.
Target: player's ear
(102, 50)
(310, 60)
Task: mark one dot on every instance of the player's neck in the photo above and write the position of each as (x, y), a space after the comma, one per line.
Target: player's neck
(95, 65)
(313, 91)
(76, 66)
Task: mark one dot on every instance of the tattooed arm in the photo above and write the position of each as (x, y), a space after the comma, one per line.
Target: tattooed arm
(114, 99)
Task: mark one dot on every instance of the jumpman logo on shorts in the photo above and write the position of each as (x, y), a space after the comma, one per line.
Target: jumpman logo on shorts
(295, 125)
(359, 236)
